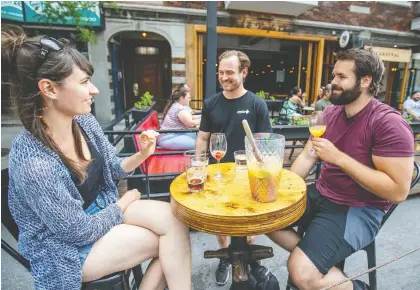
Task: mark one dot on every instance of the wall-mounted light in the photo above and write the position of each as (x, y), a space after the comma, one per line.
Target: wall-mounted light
(268, 65)
(144, 34)
(263, 72)
(146, 50)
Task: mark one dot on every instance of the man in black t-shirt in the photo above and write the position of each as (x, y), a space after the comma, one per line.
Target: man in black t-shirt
(223, 113)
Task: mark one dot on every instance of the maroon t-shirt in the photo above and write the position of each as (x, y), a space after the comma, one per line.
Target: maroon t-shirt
(376, 130)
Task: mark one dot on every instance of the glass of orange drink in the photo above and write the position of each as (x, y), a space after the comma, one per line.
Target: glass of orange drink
(317, 127)
(264, 177)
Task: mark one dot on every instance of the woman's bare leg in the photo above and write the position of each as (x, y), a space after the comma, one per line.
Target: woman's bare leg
(122, 248)
(153, 278)
(174, 239)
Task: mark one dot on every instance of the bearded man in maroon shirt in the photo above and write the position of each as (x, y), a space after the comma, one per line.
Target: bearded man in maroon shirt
(367, 152)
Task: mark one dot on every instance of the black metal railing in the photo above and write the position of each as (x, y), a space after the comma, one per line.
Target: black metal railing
(110, 127)
(291, 133)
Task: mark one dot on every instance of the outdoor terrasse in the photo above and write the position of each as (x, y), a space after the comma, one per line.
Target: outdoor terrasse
(400, 234)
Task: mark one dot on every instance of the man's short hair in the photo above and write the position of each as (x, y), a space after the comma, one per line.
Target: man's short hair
(244, 61)
(367, 63)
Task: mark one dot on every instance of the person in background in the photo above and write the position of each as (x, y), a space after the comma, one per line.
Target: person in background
(319, 96)
(411, 106)
(293, 105)
(178, 115)
(63, 195)
(325, 101)
(223, 113)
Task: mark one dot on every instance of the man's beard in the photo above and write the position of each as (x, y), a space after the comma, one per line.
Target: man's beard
(347, 96)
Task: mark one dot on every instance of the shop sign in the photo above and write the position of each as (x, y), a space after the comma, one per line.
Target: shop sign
(344, 39)
(89, 17)
(12, 10)
(392, 54)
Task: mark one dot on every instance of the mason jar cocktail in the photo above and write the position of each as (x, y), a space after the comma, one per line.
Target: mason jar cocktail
(264, 177)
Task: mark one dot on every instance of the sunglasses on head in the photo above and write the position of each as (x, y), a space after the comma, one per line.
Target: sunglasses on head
(48, 45)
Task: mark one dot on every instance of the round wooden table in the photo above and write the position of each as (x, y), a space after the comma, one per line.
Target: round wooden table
(225, 207)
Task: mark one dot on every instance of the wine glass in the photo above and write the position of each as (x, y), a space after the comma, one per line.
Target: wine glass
(218, 147)
(317, 127)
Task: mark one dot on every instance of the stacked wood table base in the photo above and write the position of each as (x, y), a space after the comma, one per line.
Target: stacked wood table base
(226, 207)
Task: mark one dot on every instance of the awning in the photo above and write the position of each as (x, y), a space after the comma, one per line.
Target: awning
(291, 8)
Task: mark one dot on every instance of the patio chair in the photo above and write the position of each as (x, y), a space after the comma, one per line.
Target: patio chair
(369, 249)
(116, 281)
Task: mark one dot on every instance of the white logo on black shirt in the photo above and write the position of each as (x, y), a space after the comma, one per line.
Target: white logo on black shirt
(243, 112)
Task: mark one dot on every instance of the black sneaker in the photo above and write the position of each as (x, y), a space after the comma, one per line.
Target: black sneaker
(223, 272)
(360, 285)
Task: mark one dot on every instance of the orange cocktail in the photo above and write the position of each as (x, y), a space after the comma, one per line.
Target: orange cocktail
(264, 175)
(264, 181)
(317, 131)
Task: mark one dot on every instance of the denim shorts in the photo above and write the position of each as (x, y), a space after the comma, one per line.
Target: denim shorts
(94, 208)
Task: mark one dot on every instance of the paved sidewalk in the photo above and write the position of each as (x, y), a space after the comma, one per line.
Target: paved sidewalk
(400, 234)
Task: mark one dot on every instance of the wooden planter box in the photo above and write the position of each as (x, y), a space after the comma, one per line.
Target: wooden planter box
(139, 115)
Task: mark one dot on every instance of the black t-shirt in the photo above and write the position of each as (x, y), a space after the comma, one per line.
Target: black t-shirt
(222, 115)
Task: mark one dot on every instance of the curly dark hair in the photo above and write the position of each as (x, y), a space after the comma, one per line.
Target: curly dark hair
(367, 63)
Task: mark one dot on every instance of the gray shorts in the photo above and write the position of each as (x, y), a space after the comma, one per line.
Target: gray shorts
(333, 231)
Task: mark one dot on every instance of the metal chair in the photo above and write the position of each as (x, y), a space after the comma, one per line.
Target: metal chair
(369, 249)
(116, 281)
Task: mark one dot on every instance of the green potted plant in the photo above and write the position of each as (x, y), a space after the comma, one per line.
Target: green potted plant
(143, 106)
(261, 94)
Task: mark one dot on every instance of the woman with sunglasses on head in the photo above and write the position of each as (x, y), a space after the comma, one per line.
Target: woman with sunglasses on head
(177, 115)
(73, 226)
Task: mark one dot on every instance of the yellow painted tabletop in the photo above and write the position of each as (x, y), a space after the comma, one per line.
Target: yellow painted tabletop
(226, 207)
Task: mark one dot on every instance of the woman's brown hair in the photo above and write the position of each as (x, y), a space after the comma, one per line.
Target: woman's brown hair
(21, 55)
(181, 91)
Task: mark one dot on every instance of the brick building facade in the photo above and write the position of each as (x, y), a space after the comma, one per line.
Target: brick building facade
(182, 24)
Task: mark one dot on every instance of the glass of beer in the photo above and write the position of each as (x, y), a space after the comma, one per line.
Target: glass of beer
(240, 159)
(317, 127)
(196, 173)
(264, 177)
(193, 153)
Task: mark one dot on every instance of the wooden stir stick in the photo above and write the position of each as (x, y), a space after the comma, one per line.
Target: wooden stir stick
(251, 139)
